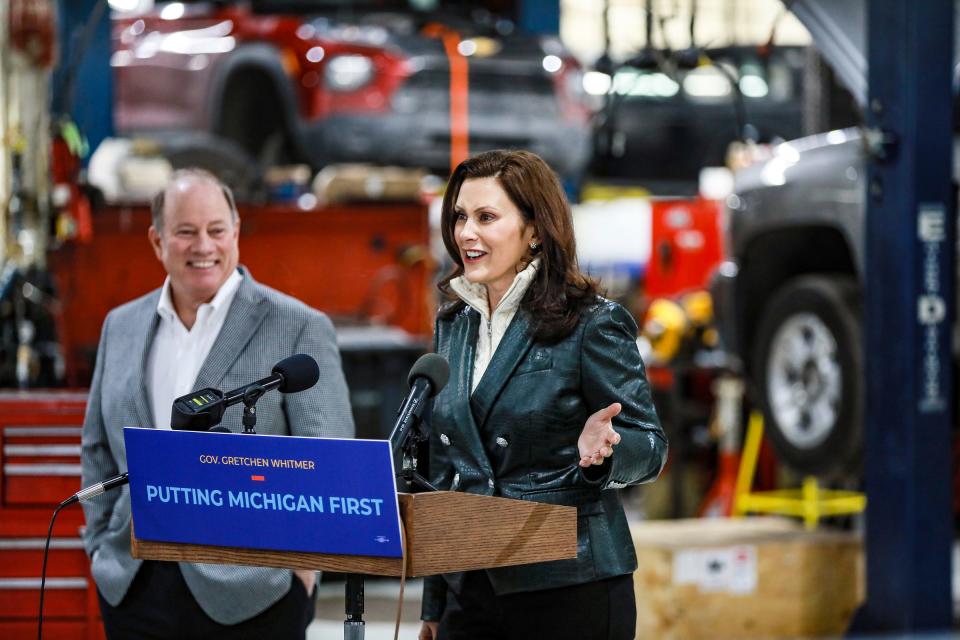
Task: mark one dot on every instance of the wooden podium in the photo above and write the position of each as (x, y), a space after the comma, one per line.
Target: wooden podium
(445, 531)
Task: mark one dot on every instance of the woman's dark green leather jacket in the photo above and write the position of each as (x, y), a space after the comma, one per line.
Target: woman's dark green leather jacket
(516, 437)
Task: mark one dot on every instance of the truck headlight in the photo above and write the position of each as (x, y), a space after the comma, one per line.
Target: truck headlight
(348, 72)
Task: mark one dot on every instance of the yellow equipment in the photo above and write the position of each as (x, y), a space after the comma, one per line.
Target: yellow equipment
(809, 502)
(670, 325)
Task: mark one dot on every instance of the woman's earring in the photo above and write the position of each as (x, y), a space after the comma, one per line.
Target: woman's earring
(534, 245)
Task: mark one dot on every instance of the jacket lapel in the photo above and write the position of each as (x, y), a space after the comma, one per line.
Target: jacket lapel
(141, 347)
(246, 314)
(513, 347)
(461, 352)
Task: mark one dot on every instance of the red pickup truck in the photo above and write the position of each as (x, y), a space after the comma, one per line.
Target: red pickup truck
(322, 81)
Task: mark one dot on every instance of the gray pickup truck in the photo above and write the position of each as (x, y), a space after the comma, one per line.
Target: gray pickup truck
(789, 299)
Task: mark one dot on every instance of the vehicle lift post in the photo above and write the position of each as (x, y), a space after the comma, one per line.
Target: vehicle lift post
(909, 315)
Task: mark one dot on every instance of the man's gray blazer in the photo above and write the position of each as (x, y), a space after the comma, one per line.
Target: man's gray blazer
(262, 327)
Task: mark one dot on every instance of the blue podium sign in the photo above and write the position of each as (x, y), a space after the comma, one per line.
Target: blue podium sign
(282, 493)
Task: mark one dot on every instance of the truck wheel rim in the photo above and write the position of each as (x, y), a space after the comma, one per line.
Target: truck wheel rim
(804, 380)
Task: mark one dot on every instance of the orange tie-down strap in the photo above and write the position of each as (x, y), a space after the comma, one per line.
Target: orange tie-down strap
(459, 92)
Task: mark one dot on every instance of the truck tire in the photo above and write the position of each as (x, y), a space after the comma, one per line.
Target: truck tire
(218, 155)
(253, 116)
(808, 372)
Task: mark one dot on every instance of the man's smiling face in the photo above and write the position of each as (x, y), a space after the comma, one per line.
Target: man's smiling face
(199, 242)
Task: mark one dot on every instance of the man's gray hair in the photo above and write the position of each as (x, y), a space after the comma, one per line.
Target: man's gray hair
(159, 200)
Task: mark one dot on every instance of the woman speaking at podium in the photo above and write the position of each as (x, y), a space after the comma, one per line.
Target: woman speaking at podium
(547, 401)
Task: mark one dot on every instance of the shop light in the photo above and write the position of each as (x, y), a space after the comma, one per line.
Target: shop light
(184, 44)
(467, 48)
(124, 5)
(307, 201)
(753, 86)
(655, 85)
(596, 83)
(706, 83)
(552, 63)
(212, 39)
(173, 11)
(121, 59)
(148, 46)
(315, 54)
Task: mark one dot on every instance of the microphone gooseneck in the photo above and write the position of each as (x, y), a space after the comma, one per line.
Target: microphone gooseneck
(428, 375)
(97, 489)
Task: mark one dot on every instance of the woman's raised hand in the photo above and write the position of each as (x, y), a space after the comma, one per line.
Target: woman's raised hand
(597, 440)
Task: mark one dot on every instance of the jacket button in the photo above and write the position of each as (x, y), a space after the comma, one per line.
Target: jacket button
(502, 442)
(444, 439)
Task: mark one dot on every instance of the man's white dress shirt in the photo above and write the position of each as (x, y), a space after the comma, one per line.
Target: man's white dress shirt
(178, 353)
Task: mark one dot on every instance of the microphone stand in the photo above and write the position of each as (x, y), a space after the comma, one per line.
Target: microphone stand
(354, 627)
(408, 473)
(250, 396)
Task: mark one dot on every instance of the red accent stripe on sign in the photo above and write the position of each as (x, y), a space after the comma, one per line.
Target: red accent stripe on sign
(257, 478)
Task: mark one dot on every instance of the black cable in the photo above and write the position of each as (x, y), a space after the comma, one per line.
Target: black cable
(81, 496)
(648, 25)
(739, 104)
(693, 23)
(43, 572)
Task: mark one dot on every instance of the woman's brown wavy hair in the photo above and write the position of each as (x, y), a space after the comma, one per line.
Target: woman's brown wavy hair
(560, 292)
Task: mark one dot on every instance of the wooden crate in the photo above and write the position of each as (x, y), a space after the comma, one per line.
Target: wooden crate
(746, 578)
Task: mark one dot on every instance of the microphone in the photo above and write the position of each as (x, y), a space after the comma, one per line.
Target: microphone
(427, 377)
(200, 410)
(96, 489)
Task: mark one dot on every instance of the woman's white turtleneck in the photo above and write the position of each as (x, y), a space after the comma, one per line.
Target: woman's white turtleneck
(492, 327)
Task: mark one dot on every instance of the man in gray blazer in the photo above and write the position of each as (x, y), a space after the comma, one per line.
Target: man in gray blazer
(210, 325)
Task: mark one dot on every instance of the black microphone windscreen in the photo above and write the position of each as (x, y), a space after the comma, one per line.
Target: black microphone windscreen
(434, 368)
(299, 372)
